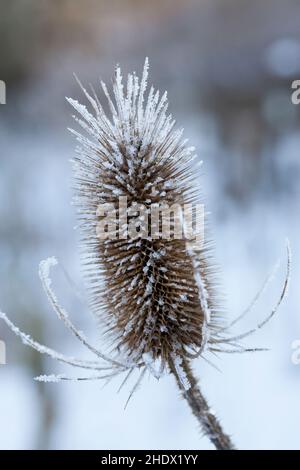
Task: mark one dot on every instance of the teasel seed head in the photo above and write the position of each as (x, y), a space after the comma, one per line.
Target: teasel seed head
(155, 294)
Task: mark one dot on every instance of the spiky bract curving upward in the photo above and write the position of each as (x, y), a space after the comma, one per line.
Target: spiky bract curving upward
(154, 294)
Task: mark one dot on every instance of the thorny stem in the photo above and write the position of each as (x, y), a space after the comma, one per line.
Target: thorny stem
(200, 408)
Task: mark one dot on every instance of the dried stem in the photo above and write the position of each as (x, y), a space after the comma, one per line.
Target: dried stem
(200, 408)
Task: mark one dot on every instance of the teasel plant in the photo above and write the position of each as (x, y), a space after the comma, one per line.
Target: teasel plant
(156, 299)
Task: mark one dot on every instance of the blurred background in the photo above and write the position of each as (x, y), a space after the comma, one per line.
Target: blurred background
(228, 66)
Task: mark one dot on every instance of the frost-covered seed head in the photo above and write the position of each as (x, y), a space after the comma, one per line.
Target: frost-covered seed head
(154, 295)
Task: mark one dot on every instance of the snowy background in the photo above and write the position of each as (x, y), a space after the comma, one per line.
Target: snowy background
(228, 67)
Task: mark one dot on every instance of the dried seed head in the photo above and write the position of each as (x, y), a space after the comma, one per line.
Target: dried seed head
(154, 292)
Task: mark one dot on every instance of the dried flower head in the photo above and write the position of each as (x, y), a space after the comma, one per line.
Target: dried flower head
(154, 294)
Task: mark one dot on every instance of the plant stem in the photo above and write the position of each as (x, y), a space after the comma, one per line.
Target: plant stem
(200, 408)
